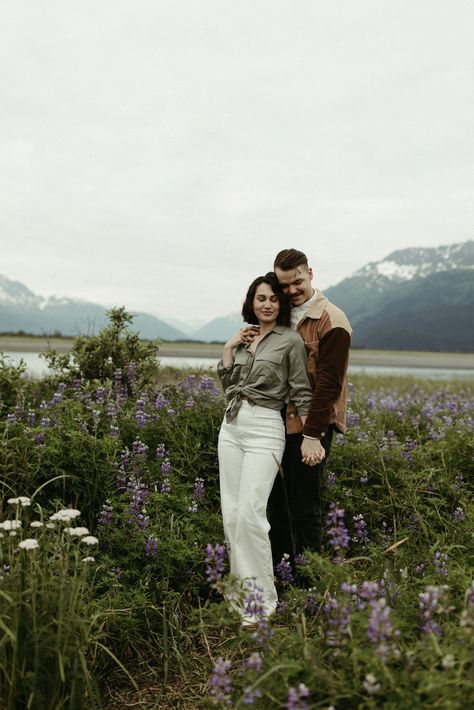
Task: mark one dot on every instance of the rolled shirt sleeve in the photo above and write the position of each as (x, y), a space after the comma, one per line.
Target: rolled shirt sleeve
(300, 391)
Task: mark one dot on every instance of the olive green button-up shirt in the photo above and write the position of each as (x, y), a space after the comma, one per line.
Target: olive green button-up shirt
(271, 376)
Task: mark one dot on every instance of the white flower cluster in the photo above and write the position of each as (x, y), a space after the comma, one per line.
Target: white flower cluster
(28, 544)
(65, 515)
(90, 540)
(77, 532)
(10, 525)
(21, 500)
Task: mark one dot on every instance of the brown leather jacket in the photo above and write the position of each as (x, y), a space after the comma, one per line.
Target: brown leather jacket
(326, 332)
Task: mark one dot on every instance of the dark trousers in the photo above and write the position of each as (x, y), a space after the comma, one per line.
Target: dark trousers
(294, 508)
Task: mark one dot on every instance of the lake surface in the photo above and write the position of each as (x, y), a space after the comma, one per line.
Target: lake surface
(37, 367)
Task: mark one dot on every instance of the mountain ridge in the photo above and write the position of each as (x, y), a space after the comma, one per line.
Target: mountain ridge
(375, 298)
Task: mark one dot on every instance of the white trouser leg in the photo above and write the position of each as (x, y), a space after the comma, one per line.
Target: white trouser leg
(250, 451)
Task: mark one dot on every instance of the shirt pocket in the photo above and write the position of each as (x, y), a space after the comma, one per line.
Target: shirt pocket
(241, 357)
(270, 368)
(312, 351)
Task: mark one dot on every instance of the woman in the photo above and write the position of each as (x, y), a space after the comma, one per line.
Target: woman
(259, 373)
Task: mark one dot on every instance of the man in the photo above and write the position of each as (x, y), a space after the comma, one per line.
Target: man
(294, 507)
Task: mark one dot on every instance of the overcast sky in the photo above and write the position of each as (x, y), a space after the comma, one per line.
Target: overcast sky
(158, 153)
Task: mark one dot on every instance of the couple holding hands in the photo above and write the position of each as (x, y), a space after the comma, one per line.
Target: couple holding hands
(284, 376)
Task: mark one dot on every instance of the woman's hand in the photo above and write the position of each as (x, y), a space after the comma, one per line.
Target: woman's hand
(312, 451)
(244, 336)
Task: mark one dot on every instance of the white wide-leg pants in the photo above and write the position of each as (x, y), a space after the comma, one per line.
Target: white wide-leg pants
(250, 451)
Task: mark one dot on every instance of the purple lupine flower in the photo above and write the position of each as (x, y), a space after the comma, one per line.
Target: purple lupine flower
(160, 401)
(95, 417)
(161, 451)
(429, 606)
(100, 394)
(40, 437)
(297, 698)
(254, 611)
(419, 569)
(337, 624)
(364, 478)
(301, 560)
(106, 515)
(139, 494)
(368, 592)
(189, 403)
(132, 372)
(284, 571)
(254, 662)
(459, 516)
(380, 629)
(11, 419)
(165, 467)
(171, 412)
(198, 490)
(141, 418)
(250, 695)
(76, 383)
(440, 560)
(208, 385)
(45, 422)
(459, 480)
(139, 448)
(215, 556)
(151, 546)
(165, 486)
(193, 508)
(408, 448)
(111, 409)
(362, 533)
(221, 683)
(114, 430)
(337, 531)
(330, 478)
(310, 605)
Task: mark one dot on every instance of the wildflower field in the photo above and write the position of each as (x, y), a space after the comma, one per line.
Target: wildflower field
(113, 561)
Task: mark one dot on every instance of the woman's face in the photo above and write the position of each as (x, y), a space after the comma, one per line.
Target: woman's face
(266, 305)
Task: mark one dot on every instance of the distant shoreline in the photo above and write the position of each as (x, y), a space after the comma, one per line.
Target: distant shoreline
(389, 358)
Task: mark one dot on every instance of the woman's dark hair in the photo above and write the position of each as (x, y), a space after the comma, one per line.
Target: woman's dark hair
(284, 316)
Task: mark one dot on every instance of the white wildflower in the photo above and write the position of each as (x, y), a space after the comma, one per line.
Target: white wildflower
(2, 535)
(88, 559)
(371, 684)
(36, 524)
(448, 661)
(28, 544)
(21, 500)
(90, 540)
(77, 532)
(65, 515)
(10, 525)
(50, 526)
(12, 533)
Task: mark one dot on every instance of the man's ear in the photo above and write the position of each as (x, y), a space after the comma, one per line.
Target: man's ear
(310, 272)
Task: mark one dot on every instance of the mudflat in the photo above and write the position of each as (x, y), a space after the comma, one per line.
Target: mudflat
(393, 358)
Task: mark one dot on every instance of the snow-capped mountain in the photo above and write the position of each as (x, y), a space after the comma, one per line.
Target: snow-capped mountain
(408, 264)
(23, 310)
(414, 299)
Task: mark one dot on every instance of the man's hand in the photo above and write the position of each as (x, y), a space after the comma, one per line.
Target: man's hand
(312, 451)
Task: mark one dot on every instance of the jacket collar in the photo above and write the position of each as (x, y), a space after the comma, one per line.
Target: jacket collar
(317, 307)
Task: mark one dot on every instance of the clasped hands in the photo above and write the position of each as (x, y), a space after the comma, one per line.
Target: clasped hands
(312, 451)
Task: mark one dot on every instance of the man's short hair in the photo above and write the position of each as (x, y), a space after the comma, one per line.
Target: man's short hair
(288, 259)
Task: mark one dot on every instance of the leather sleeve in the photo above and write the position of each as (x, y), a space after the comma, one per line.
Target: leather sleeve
(329, 380)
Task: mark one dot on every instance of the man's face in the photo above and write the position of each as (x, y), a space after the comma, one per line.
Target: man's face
(296, 283)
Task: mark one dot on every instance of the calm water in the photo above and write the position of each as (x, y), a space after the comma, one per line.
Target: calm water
(37, 367)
